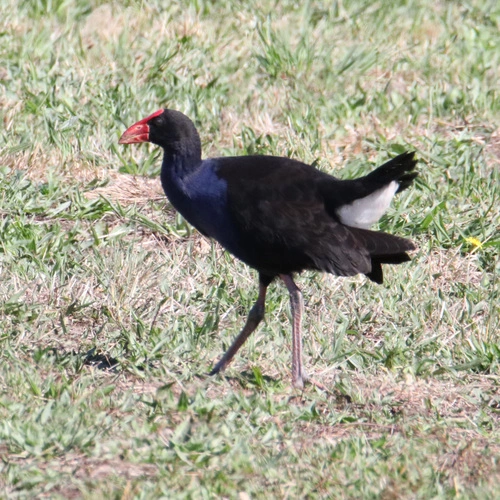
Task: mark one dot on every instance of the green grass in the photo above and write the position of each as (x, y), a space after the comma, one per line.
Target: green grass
(112, 309)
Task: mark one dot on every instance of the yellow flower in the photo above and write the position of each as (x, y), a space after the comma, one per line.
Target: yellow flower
(474, 241)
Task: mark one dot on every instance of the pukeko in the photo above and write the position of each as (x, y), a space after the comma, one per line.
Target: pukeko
(278, 215)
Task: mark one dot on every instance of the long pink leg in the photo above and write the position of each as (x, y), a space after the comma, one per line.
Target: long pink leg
(255, 316)
(299, 376)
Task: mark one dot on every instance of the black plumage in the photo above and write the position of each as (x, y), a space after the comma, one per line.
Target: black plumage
(278, 215)
(286, 214)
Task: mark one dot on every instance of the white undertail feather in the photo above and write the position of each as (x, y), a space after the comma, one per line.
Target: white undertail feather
(365, 212)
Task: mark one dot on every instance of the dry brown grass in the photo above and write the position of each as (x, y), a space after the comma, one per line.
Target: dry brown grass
(129, 189)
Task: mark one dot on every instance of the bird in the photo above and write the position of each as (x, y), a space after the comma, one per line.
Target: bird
(278, 215)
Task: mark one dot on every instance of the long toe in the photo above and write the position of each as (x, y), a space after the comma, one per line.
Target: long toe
(219, 367)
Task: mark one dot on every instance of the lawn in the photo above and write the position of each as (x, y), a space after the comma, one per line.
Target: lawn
(113, 309)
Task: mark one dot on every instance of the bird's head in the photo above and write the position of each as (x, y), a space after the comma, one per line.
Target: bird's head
(170, 129)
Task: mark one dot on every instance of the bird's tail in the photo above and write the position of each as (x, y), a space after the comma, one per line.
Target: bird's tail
(383, 248)
(399, 169)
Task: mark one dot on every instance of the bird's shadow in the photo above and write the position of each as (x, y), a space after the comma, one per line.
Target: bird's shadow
(101, 361)
(247, 379)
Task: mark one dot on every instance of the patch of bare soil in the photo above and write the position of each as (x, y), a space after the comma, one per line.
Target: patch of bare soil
(129, 189)
(93, 469)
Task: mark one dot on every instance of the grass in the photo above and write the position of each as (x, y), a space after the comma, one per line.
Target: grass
(112, 308)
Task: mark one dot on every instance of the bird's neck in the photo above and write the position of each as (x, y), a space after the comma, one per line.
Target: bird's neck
(176, 167)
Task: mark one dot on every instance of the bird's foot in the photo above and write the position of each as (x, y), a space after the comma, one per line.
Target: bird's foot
(215, 370)
(301, 379)
(319, 385)
(219, 367)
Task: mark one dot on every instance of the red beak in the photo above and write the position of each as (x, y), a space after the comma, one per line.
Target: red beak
(139, 132)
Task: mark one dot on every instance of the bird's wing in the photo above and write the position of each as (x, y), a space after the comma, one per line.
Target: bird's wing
(279, 210)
